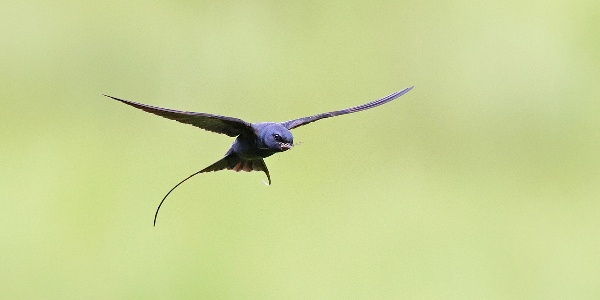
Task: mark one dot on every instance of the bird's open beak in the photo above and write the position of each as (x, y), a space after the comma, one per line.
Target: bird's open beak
(285, 146)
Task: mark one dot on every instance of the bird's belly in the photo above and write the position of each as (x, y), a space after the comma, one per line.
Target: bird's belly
(248, 149)
(255, 154)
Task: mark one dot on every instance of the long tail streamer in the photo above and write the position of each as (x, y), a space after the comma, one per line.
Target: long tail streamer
(163, 200)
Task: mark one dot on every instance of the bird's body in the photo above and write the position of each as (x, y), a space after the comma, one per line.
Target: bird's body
(254, 141)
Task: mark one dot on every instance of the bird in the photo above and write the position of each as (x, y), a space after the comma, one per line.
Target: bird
(254, 141)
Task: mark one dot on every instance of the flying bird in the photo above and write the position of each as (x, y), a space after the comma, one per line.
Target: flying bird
(254, 141)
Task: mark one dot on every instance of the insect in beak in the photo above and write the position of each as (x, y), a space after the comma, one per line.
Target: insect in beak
(285, 146)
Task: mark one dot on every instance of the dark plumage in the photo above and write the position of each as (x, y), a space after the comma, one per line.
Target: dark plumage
(254, 141)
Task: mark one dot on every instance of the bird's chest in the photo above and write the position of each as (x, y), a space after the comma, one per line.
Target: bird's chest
(249, 148)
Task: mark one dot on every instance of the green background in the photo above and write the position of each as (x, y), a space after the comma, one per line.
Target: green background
(480, 183)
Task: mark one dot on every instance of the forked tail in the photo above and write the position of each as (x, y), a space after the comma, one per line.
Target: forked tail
(229, 162)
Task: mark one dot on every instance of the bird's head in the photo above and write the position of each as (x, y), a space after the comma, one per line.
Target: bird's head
(275, 137)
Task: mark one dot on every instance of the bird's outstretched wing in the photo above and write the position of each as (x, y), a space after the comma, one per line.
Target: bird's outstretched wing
(215, 123)
(303, 121)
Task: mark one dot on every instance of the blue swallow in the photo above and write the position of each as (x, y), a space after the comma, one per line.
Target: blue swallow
(254, 141)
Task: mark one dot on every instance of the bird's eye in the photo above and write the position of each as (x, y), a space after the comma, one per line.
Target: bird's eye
(277, 137)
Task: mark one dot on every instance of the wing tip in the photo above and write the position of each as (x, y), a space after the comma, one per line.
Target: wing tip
(406, 90)
(112, 97)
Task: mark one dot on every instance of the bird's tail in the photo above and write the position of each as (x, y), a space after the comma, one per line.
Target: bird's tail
(234, 163)
(229, 162)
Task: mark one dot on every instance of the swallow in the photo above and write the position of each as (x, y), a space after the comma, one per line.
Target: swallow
(254, 141)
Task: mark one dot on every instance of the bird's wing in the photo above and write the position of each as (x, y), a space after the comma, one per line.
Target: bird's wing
(215, 123)
(303, 121)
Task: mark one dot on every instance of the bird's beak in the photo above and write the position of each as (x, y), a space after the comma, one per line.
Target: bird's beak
(285, 146)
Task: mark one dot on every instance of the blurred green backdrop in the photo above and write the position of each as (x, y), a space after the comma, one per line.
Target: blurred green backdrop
(481, 183)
